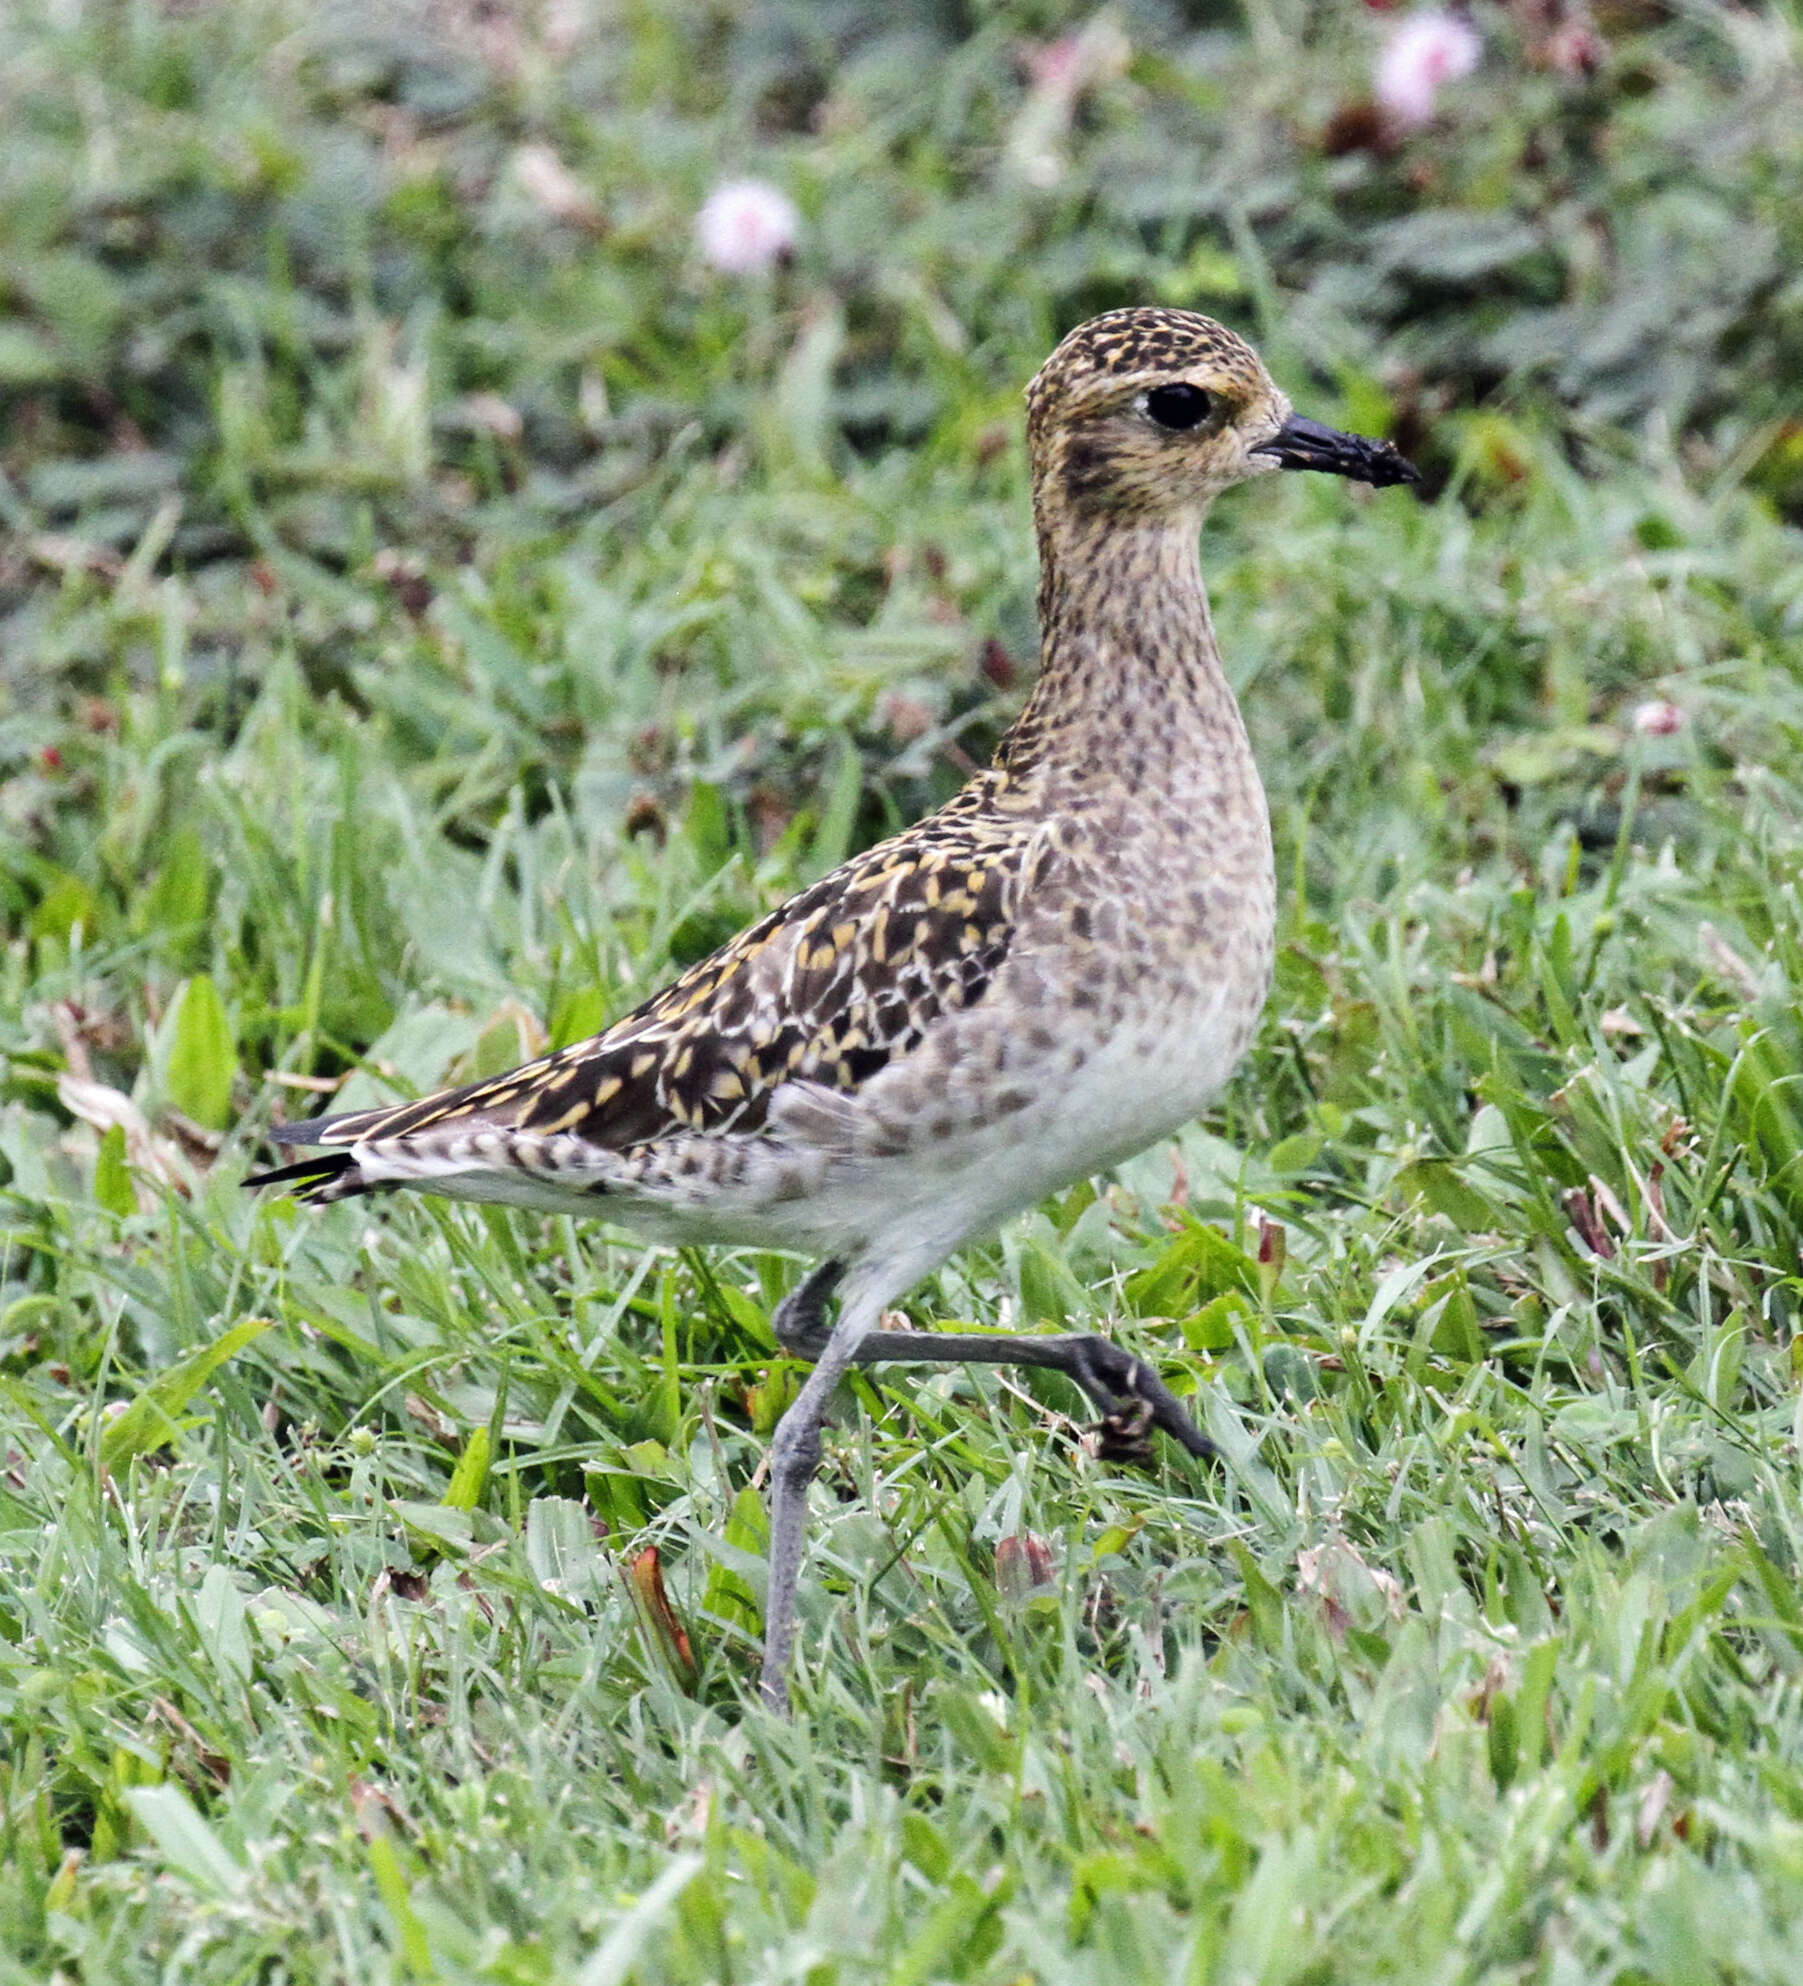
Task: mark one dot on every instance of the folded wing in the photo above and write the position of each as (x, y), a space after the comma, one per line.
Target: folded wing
(828, 989)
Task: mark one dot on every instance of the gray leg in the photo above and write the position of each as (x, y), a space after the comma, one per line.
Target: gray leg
(1130, 1395)
(794, 1456)
(800, 1321)
(1132, 1398)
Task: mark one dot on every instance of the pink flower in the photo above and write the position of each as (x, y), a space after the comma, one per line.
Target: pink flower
(1656, 718)
(745, 226)
(1421, 53)
(1063, 72)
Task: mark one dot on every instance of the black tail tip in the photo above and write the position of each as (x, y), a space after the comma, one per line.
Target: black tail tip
(312, 1178)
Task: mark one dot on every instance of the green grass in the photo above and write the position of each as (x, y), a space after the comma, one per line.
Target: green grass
(350, 735)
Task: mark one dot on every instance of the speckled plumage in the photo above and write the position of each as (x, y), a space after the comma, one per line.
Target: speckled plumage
(1043, 977)
(1111, 869)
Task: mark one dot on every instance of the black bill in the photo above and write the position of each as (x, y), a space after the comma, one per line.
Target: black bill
(1304, 444)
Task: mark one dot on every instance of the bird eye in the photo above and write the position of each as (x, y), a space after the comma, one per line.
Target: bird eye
(1179, 407)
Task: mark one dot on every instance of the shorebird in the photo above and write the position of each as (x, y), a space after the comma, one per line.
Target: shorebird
(1054, 970)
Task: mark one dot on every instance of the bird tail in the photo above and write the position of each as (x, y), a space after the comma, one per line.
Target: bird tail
(324, 1177)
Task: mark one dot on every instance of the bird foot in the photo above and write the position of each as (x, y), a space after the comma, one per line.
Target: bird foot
(1133, 1400)
(1124, 1436)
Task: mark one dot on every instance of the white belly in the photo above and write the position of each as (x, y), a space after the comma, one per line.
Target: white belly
(1130, 1091)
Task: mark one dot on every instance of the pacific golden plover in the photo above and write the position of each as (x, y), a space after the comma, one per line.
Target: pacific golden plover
(1054, 970)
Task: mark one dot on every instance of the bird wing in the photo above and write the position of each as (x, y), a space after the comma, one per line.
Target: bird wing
(828, 989)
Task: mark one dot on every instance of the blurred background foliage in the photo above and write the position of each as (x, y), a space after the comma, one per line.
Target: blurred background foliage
(204, 206)
(364, 354)
(437, 598)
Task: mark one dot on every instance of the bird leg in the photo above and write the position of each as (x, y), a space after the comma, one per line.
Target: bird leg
(800, 1321)
(795, 1454)
(1132, 1398)
(1129, 1394)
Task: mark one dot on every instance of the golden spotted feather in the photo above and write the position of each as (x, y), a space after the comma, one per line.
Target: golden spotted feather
(829, 988)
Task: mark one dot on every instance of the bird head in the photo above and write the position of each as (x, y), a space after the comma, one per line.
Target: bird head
(1147, 414)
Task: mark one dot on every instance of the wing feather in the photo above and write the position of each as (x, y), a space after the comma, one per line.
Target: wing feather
(829, 988)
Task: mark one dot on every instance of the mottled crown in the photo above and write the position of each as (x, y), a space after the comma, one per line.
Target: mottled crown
(1126, 343)
(1099, 445)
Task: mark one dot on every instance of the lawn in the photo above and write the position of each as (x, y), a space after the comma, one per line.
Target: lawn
(436, 603)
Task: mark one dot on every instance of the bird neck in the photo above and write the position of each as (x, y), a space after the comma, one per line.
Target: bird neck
(1128, 668)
